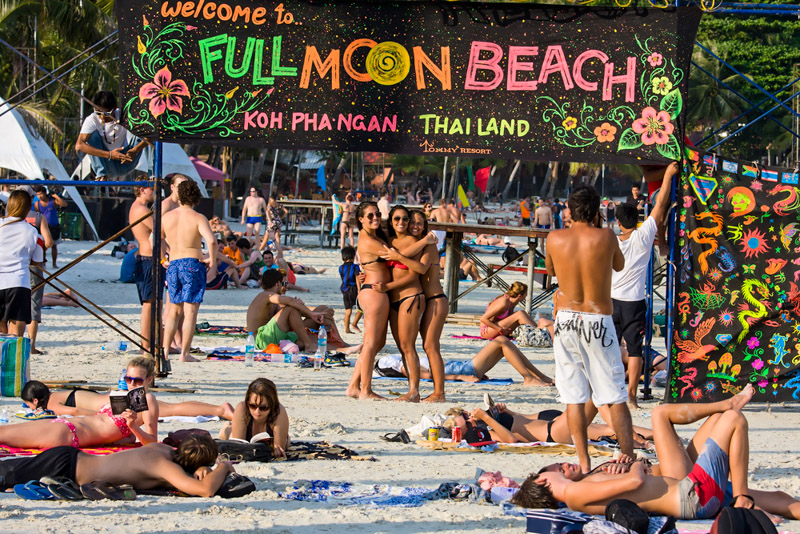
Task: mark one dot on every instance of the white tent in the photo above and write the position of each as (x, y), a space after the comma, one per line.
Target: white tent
(175, 160)
(26, 152)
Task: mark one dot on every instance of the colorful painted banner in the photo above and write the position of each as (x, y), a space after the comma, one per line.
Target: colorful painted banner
(566, 83)
(737, 312)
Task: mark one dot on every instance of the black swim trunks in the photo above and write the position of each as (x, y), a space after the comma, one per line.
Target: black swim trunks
(55, 462)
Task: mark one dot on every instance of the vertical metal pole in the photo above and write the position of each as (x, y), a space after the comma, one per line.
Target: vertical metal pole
(156, 343)
(297, 179)
(272, 178)
(363, 170)
(671, 278)
(452, 260)
(444, 178)
(531, 268)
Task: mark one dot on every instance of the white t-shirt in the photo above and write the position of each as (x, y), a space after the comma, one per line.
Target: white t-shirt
(395, 361)
(112, 133)
(18, 246)
(628, 284)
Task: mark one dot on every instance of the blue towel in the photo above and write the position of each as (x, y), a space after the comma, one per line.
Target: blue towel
(491, 381)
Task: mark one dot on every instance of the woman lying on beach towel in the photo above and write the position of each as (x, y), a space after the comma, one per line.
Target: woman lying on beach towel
(100, 429)
(475, 370)
(549, 426)
(260, 412)
(37, 396)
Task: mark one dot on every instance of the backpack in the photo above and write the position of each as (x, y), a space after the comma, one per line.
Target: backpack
(510, 254)
(530, 336)
(742, 521)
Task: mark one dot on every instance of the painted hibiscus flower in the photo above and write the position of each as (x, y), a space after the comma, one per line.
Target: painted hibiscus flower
(655, 59)
(752, 343)
(164, 93)
(569, 123)
(662, 85)
(605, 132)
(758, 364)
(654, 126)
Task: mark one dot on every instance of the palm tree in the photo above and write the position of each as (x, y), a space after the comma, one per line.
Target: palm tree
(710, 103)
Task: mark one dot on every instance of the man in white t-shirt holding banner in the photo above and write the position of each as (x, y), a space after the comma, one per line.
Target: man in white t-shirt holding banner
(628, 285)
(113, 150)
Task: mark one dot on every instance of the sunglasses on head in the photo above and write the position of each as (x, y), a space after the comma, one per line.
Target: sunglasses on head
(134, 380)
(254, 406)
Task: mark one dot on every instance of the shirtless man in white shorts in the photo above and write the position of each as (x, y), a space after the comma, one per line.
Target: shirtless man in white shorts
(587, 356)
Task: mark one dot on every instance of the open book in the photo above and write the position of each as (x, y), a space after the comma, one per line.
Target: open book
(134, 400)
(261, 436)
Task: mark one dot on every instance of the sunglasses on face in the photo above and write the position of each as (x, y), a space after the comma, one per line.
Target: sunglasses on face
(285, 284)
(260, 407)
(370, 215)
(103, 113)
(398, 219)
(134, 380)
(253, 191)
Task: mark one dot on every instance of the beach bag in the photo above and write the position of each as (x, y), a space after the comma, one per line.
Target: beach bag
(235, 485)
(742, 521)
(530, 336)
(232, 450)
(15, 353)
(629, 515)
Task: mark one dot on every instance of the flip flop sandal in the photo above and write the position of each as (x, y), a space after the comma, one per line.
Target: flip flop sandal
(63, 488)
(97, 491)
(33, 491)
(34, 416)
(397, 437)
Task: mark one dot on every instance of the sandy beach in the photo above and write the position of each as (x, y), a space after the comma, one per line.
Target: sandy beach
(319, 410)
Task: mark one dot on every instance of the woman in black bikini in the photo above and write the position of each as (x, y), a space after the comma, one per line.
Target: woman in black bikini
(548, 425)
(260, 412)
(372, 297)
(436, 305)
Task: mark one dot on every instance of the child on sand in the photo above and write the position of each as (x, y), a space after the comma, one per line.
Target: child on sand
(348, 272)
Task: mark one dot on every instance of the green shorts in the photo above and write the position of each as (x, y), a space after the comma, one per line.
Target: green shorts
(271, 333)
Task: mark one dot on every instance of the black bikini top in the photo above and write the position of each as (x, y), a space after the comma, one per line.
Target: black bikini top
(377, 260)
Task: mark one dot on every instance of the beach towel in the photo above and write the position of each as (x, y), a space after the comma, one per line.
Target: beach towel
(188, 419)
(487, 381)
(462, 336)
(378, 495)
(239, 357)
(7, 450)
(320, 450)
(216, 330)
(536, 447)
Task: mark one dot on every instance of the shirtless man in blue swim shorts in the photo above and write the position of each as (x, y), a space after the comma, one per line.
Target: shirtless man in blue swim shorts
(255, 207)
(688, 483)
(183, 229)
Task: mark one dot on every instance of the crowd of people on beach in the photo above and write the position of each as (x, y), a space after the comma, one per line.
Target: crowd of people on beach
(391, 275)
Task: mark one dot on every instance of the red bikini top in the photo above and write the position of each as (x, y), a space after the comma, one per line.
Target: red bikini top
(396, 264)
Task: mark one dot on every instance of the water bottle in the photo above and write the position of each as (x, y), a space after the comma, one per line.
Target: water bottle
(4, 417)
(322, 347)
(121, 384)
(122, 346)
(249, 350)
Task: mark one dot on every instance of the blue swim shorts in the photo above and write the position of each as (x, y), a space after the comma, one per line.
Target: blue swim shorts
(254, 220)
(186, 280)
(459, 368)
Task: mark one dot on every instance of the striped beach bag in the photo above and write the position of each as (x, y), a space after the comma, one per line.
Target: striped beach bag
(14, 372)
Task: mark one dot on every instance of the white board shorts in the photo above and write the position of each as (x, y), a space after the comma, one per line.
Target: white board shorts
(588, 360)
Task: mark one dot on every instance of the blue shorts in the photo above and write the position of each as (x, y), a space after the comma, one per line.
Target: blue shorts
(459, 368)
(186, 280)
(254, 220)
(143, 276)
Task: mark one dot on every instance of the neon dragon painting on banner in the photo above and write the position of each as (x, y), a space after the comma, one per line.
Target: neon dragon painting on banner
(504, 80)
(737, 317)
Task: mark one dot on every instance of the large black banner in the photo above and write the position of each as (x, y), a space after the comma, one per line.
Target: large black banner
(737, 312)
(501, 80)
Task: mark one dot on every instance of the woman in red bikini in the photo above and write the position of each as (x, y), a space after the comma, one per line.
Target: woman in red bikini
(500, 317)
(104, 428)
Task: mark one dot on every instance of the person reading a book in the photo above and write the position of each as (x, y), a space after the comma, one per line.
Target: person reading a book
(187, 469)
(38, 397)
(261, 416)
(103, 428)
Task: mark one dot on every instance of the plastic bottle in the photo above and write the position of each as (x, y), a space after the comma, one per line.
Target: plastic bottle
(322, 348)
(122, 346)
(4, 417)
(121, 384)
(249, 350)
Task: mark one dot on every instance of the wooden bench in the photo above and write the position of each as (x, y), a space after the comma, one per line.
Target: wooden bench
(464, 319)
(539, 274)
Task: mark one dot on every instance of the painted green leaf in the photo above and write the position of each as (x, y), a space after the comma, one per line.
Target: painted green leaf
(629, 140)
(671, 150)
(672, 103)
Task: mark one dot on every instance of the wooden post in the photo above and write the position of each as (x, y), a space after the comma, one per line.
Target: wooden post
(452, 260)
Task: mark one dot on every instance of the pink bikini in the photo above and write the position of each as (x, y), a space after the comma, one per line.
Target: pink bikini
(485, 334)
(121, 423)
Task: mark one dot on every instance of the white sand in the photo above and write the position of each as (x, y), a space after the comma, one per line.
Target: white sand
(318, 410)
